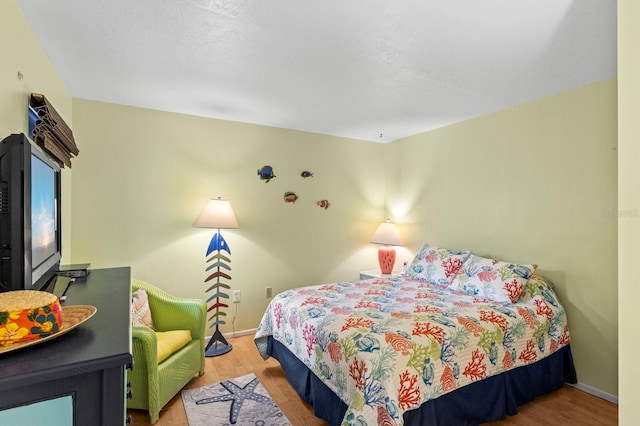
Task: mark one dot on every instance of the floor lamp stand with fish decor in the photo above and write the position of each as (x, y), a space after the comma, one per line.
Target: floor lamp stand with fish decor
(217, 214)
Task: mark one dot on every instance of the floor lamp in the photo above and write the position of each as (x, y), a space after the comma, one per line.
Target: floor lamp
(217, 214)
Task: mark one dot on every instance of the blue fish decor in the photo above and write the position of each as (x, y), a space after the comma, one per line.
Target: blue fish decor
(306, 174)
(266, 173)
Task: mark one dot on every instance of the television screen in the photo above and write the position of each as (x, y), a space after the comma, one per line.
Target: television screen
(30, 243)
(43, 212)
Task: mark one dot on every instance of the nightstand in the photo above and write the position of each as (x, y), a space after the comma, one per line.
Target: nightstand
(375, 273)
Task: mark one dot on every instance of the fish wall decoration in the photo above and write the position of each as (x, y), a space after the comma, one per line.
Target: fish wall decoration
(306, 174)
(325, 204)
(266, 173)
(290, 197)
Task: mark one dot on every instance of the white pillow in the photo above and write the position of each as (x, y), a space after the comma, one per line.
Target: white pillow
(492, 279)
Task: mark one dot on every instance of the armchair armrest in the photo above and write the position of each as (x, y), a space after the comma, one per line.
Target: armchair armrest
(144, 375)
(145, 343)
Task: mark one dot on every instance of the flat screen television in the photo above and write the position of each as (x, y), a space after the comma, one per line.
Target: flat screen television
(30, 195)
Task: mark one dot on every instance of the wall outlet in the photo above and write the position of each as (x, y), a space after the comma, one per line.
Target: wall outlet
(236, 296)
(268, 292)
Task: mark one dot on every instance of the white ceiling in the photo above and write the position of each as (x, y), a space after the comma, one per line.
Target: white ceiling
(353, 68)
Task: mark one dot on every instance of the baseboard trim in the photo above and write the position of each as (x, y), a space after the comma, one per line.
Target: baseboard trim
(596, 392)
(235, 333)
(241, 333)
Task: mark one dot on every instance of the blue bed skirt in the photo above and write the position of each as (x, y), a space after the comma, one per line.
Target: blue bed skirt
(490, 399)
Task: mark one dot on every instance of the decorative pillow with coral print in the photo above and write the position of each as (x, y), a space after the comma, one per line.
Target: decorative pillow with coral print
(436, 265)
(540, 287)
(492, 279)
(140, 312)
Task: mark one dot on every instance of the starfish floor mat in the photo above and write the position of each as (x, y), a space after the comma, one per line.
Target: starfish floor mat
(240, 401)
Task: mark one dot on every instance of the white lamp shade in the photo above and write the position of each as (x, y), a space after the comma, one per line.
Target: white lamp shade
(388, 234)
(218, 213)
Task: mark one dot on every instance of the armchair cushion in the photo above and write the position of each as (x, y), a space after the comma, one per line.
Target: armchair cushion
(171, 341)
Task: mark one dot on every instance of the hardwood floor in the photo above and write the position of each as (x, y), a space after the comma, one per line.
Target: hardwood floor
(567, 406)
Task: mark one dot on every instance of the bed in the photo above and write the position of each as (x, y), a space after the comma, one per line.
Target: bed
(440, 345)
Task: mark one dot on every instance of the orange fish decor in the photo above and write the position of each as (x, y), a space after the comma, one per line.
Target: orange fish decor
(290, 197)
(325, 204)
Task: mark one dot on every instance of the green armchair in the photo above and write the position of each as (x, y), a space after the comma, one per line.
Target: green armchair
(154, 384)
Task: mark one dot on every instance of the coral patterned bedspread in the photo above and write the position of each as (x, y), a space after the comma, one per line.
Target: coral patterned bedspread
(385, 346)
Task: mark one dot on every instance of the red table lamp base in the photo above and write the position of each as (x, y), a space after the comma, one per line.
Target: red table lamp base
(386, 258)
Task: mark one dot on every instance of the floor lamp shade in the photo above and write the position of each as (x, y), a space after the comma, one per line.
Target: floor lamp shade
(387, 235)
(217, 214)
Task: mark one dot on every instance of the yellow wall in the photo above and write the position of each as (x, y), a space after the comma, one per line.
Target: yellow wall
(533, 184)
(24, 69)
(143, 177)
(629, 200)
